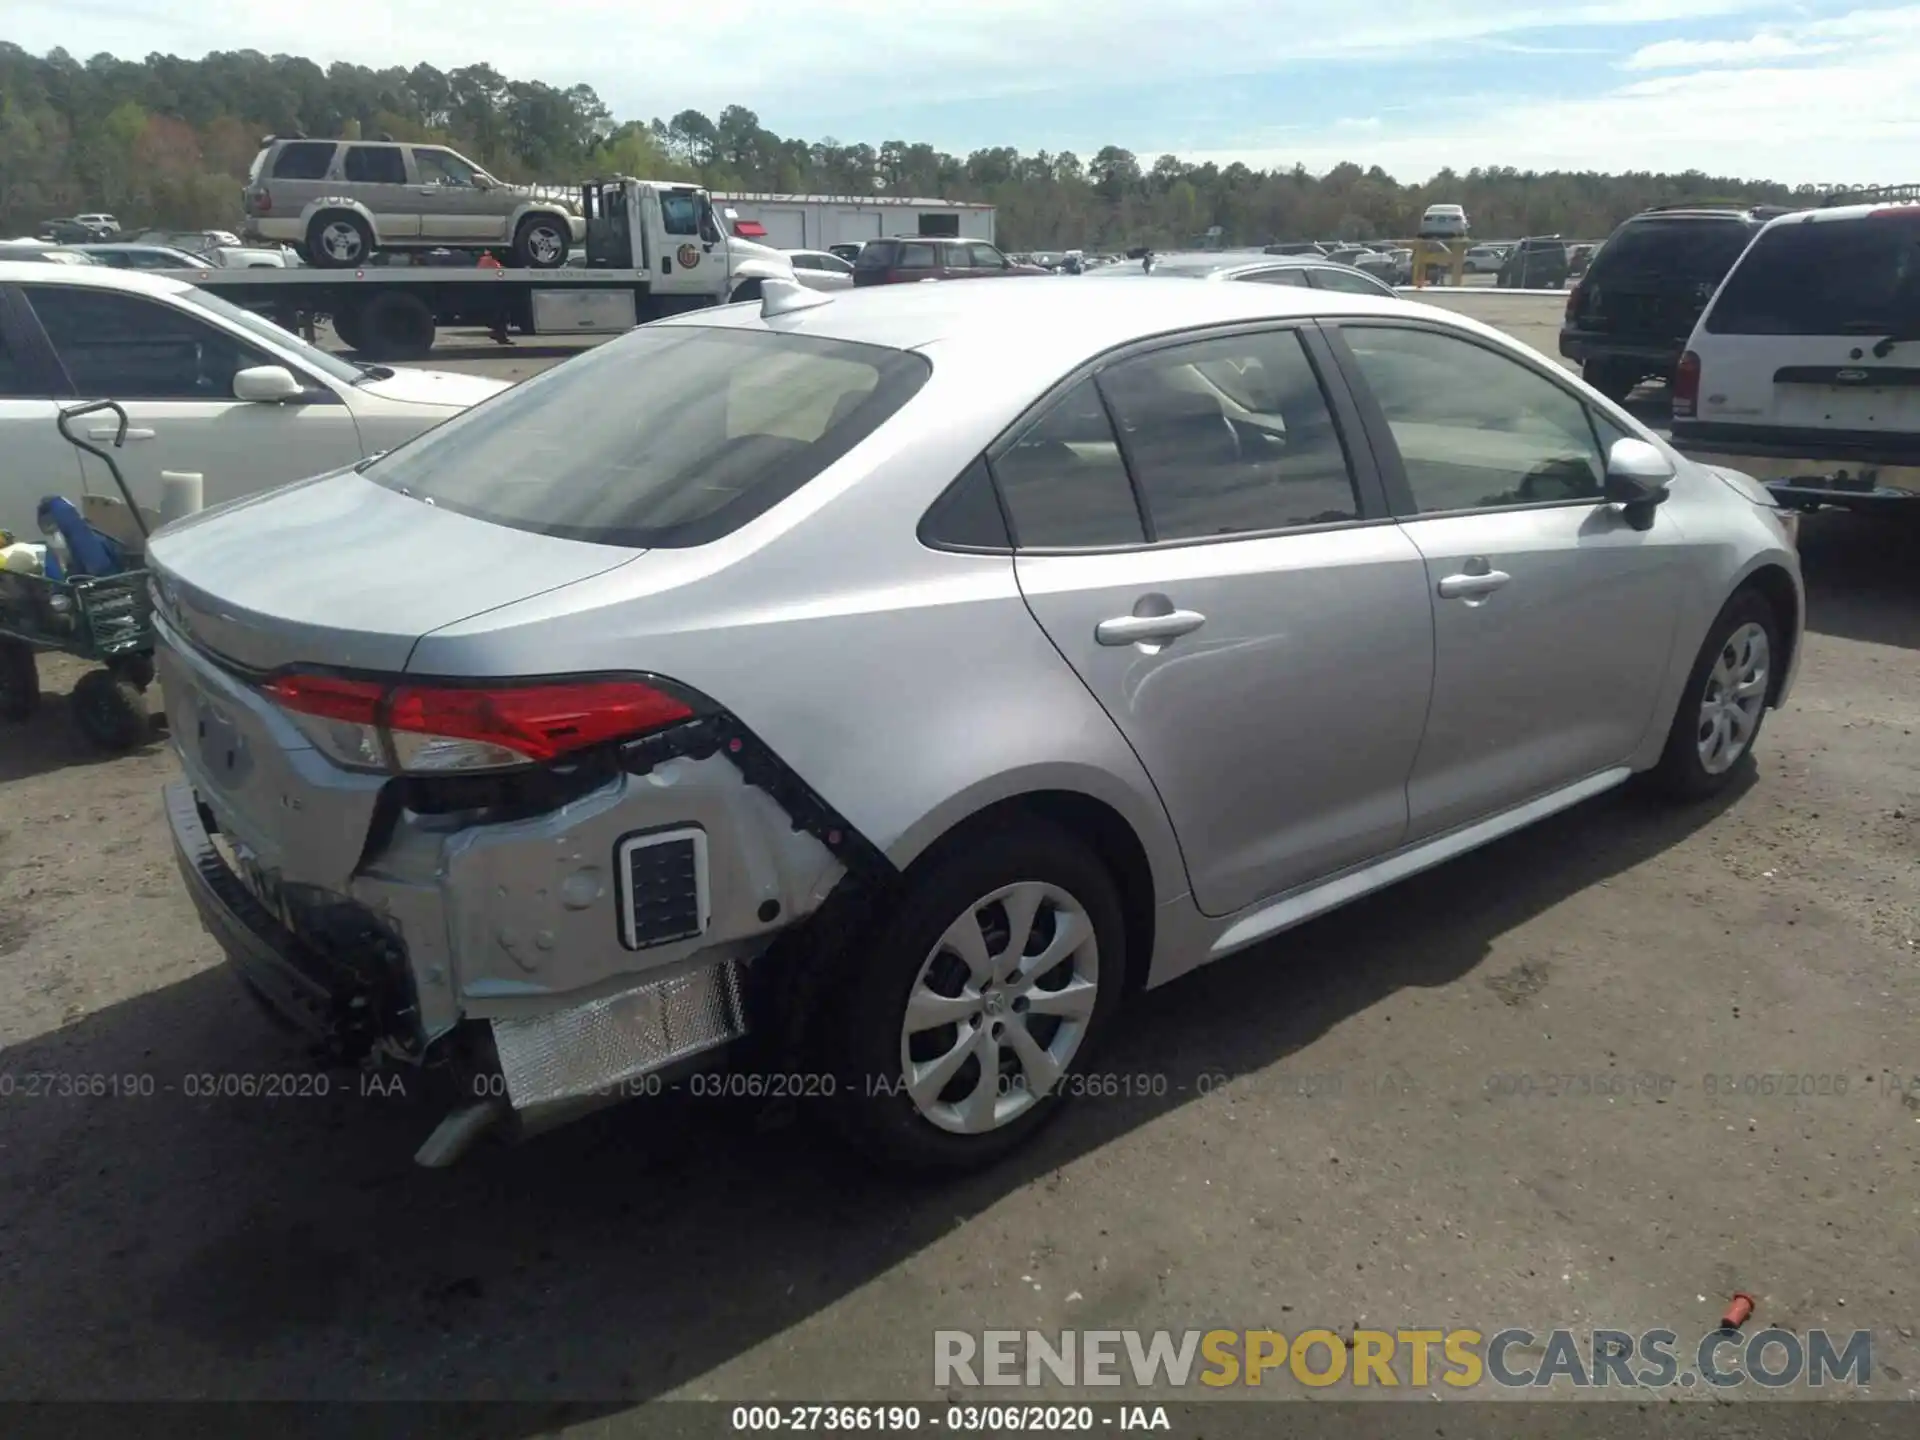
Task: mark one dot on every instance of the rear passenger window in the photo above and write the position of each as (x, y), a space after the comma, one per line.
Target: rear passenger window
(1230, 436)
(915, 257)
(1474, 429)
(304, 160)
(375, 165)
(1064, 482)
(1295, 275)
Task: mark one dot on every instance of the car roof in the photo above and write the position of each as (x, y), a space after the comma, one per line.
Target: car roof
(1037, 329)
(22, 272)
(1845, 212)
(1217, 262)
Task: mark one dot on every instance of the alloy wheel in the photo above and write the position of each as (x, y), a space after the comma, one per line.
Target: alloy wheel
(1735, 694)
(999, 1007)
(341, 241)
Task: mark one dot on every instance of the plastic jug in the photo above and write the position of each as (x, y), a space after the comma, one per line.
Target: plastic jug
(23, 559)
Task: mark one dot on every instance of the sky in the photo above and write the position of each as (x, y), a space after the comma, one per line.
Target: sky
(1817, 92)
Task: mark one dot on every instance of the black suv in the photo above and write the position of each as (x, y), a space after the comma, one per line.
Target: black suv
(1537, 263)
(1629, 317)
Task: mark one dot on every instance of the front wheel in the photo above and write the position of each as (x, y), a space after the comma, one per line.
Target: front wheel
(1725, 701)
(541, 243)
(19, 680)
(746, 290)
(109, 711)
(974, 1007)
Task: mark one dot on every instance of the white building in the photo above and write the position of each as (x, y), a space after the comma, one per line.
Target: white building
(813, 222)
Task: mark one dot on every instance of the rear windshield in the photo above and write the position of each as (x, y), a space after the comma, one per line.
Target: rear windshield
(673, 435)
(1832, 277)
(1685, 251)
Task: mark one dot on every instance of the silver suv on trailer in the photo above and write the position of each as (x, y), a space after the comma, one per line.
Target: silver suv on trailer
(901, 678)
(338, 201)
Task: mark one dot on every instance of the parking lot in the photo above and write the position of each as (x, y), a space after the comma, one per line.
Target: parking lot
(1604, 1073)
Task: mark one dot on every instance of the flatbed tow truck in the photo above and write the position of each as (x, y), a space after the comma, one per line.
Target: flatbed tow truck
(652, 249)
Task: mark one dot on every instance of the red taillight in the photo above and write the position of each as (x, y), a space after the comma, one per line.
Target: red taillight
(326, 697)
(372, 725)
(539, 722)
(1686, 385)
(262, 199)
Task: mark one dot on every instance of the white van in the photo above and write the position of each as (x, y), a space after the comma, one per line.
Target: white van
(1443, 222)
(1805, 365)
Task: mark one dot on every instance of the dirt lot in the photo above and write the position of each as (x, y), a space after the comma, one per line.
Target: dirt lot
(1387, 1152)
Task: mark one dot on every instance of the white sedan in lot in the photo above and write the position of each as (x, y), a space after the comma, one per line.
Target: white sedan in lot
(208, 387)
(820, 269)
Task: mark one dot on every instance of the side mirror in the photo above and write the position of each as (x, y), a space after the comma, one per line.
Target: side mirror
(266, 384)
(1638, 474)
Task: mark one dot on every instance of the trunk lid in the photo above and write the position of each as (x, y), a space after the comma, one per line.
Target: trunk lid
(339, 571)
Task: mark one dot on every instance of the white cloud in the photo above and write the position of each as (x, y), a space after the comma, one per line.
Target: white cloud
(1851, 114)
(657, 57)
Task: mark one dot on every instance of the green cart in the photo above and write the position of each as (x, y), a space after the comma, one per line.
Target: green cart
(107, 619)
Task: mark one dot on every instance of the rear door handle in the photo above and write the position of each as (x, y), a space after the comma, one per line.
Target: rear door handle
(1467, 587)
(1132, 629)
(107, 432)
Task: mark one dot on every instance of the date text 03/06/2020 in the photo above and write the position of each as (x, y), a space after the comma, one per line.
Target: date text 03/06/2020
(962, 1419)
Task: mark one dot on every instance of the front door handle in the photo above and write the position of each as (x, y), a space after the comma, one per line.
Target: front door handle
(1472, 586)
(1133, 629)
(107, 432)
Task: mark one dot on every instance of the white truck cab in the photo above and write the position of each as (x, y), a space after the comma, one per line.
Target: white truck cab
(671, 232)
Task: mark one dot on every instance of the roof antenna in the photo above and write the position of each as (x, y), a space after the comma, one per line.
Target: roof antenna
(780, 296)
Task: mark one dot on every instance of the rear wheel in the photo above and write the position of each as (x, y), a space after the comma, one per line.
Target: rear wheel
(1614, 379)
(338, 239)
(977, 1000)
(395, 326)
(1714, 730)
(110, 712)
(19, 680)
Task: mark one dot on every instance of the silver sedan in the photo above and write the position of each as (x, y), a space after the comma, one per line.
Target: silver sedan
(820, 269)
(891, 685)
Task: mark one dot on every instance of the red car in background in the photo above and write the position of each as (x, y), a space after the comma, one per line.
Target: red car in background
(908, 258)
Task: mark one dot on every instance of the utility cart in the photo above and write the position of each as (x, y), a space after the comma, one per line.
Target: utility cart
(107, 619)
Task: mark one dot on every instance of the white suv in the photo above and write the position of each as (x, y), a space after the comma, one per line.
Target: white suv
(1805, 366)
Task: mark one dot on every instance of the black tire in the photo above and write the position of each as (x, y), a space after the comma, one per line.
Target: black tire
(868, 1007)
(109, 711)
(1682, 772)
(136, 669)
(395, 326)
(746, 290)
(1614, 379)
(347, 326)
(338, 240)
(19, 681)
(541, 242)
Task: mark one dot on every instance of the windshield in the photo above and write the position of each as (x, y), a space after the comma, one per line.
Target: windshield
(331, 366)
(673, 435)
(1688, 251)
(1832, 277)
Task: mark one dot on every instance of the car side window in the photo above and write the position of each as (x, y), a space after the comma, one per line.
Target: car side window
(1230, 436)
(1349, 282)
(1292, 275)
(14, 373)
(128, 347)
(1475, 429)
(679, 214)
(832, 264)
(917, 255)
(304, 160)
(375, 165)
(1063, 480)
(985, 257)
(802, 262)
(442, 167)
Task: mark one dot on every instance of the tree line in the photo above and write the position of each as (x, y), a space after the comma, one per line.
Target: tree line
(167, 142)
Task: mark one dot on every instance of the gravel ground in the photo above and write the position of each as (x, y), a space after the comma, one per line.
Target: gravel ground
(1362, 1165)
